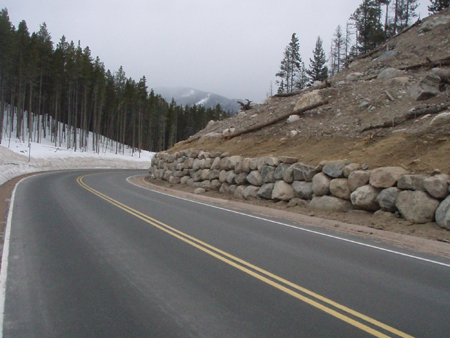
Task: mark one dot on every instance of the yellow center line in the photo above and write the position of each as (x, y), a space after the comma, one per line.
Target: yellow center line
(243, 266)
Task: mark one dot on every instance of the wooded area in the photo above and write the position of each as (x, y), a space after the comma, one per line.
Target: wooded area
(66, 84)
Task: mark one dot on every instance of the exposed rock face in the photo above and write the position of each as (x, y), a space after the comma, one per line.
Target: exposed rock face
(358, 178)
(416, 206)
(387, 199)
(329, 203)
(386, 177)
(282, 191)
(266, 191)
(365, 197)
(303, 189)
(443, 214)
(335, 168)
(308, 99)
(321, 184)
(437, 186)
(339, 188)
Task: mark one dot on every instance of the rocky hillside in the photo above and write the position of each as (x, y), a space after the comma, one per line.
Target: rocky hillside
(387, 108)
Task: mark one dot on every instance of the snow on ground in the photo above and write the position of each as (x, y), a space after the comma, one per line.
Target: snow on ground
(17, 158)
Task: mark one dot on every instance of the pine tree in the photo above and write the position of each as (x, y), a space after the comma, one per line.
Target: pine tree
(368, 26)
(290, 66)
(438, 5)
(318, 71)
(338, 53)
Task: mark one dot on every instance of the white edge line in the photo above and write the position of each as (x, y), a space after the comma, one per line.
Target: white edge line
(306, 230)
(5, 255)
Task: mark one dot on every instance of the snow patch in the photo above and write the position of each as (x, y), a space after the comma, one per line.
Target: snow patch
(25, 155)
(192, 92)
(203, 101)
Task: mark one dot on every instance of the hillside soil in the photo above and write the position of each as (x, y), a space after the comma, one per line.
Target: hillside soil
(364, 121)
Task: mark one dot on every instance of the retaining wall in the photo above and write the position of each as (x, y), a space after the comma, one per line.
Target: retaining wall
(331, 185)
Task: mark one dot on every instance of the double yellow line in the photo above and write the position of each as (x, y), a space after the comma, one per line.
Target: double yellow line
(322, 303)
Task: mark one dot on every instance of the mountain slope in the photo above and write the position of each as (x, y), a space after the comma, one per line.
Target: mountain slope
(189, 96)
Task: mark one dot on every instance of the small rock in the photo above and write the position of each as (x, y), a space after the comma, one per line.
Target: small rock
(199, 191)
(293, 118)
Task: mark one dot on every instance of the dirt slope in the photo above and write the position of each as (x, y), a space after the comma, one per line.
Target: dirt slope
(346, 127)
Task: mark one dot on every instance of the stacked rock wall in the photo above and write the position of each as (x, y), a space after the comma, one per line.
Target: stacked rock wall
(332, 185)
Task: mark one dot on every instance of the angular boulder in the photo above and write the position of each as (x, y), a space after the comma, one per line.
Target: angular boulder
(411, 182)
(251, 192)
(437, 186)
(365, 198)
(303, 189)
(386, 177)
(416, 206)
(266, 191)
(358, 178)
(339, 188)
(335, 168)
(255, 178)
(387, 199)
(329, 203)
(282, 191)
(268, 174)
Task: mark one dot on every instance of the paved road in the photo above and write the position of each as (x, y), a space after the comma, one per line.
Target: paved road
(94, 256)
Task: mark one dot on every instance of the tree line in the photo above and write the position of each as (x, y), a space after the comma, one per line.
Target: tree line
(66, 84)
(372, 24)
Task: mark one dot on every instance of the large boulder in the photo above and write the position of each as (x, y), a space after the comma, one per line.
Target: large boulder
(234, 160)
(214, 174)
(335, 168)
(443, 214)
(427, 88)
(308, 99)
(255, 178)
(321, 184)
(239, 192)
(223, 176)
(387, 198)
(266, 191)
(303, 189)
(280, 170)
(437, 186)
(241, 178)
(268, 174)
(365, 198)
(349, 168)
(215, 184)
(411, 182)
(390, 73)
(386, 177)
(358, 178)
(303, 172)
(282, 191)
(416, 206)
(329, 203)
(339, 188)
(230, 177)
(251, 192)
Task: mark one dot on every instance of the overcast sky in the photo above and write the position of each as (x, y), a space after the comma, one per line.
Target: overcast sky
(229, 47)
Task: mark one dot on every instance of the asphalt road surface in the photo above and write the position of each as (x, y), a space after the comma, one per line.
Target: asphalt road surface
(87, 254)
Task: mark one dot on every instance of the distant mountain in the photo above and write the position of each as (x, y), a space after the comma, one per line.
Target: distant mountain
(189, 96)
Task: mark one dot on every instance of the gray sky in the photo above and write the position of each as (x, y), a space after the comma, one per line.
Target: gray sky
(229, 47)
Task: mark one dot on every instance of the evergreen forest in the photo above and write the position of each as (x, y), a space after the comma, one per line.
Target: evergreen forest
(44, 84)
